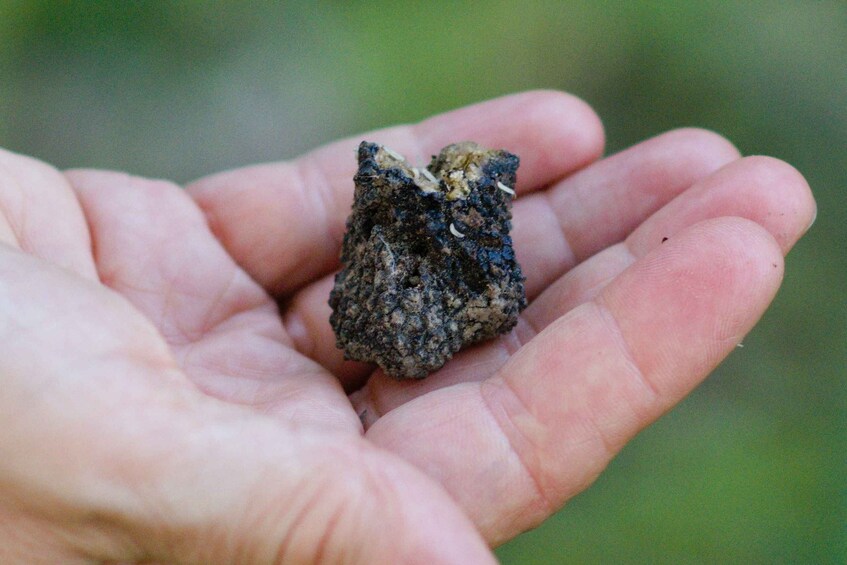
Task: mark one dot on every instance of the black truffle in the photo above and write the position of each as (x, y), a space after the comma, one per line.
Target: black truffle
(427, 260)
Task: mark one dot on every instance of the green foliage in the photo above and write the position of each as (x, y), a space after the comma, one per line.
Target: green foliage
(752, 467)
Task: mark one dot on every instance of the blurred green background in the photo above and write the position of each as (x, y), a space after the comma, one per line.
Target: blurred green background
(752, 468)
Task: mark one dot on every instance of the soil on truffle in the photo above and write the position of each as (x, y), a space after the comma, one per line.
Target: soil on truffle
(427, 261)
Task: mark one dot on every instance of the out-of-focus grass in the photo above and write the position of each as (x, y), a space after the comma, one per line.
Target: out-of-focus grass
(752, 467)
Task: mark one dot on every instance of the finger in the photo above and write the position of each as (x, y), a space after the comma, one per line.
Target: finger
(153, 246)
(765, 190)
(768, 191)
(602, 204)
(761, 189)
(283, 222)
(545, 426)
(40, 214)
(619, 191)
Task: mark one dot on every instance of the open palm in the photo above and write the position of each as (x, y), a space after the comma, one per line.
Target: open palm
(198, 424)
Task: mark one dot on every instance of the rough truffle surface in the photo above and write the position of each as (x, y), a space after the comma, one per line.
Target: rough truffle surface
(427, 260)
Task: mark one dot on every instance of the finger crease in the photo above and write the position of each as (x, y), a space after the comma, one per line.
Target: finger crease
(313, 182)
(570, 258)
(618, 338)
(505, 420)
(520, 335)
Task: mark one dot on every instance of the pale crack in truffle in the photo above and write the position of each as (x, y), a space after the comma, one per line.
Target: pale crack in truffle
(427, 260)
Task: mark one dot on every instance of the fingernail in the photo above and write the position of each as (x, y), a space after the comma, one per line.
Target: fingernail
(814, 217)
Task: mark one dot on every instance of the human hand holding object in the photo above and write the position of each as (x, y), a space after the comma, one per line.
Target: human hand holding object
(156, 406)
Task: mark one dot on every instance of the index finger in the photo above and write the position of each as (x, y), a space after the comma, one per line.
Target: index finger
(283, 222)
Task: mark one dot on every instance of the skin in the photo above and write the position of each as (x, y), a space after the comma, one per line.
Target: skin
(171, 391)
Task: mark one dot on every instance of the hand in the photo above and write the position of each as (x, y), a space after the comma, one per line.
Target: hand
(155, 406)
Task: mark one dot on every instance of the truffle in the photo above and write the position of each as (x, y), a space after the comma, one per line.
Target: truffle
(427, 260)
